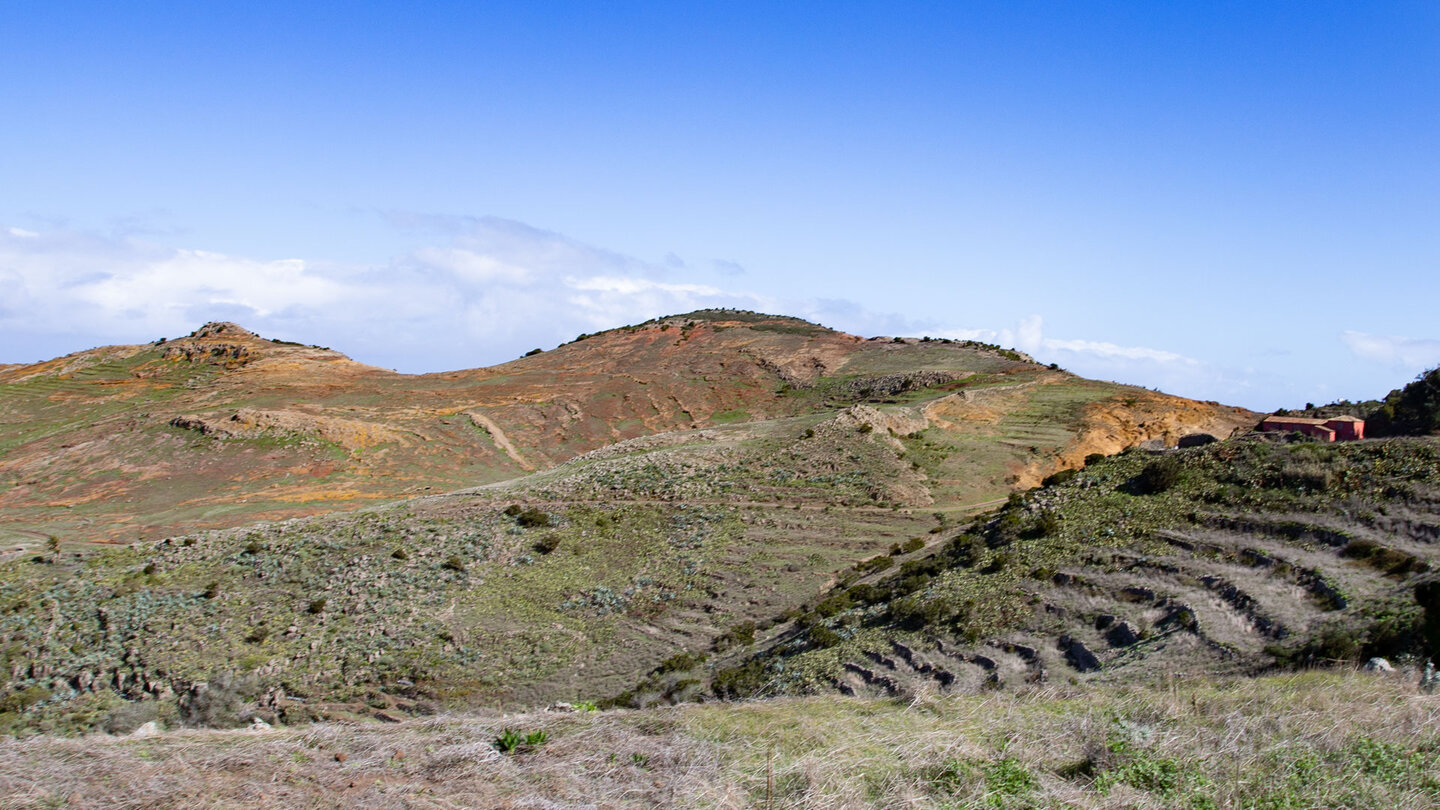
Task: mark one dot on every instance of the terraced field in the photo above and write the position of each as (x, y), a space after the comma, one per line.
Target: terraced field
(1256, 555)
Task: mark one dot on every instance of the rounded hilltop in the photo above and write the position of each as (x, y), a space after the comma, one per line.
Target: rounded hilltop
(723, 318)
(223, 329)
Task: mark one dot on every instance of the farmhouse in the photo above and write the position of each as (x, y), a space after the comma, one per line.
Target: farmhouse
(1340, 428)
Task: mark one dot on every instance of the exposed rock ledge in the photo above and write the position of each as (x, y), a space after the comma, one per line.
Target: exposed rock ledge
(249, 423)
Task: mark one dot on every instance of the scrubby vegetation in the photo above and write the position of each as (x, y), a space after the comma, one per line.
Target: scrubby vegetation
(1237, 557)
(1413, 410)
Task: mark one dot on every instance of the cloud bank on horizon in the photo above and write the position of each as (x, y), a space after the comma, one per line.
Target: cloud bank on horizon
(483, 290)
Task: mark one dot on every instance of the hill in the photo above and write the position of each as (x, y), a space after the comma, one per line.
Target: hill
(222, 428)
(625, 564)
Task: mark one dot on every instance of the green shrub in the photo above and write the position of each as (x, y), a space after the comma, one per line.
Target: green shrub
(967, 550)
(1055, 479)
(532, 518)
(743, 681)
(316, 606)
(833, 604)
(679, 662)
(822, 637)
(737, 634)
(1158, 476)
(454, 563)
(24, 699)
(874, 564)
(548, 543)
(1047, 524)
(918, 612)
(866, 594)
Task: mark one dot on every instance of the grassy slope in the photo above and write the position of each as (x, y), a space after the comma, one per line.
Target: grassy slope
(448, 599)
(662, 546)
(1257, 553)
(1319, 739)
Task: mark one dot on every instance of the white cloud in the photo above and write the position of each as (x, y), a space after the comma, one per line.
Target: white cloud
(1156, 368)
(477, 292)
(1112, 350)
(470, 265)
(1029, 336)
(1395, 351)
(492, 288)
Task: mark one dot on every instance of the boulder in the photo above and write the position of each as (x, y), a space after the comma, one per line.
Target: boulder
(149, 729)
(1378, 665)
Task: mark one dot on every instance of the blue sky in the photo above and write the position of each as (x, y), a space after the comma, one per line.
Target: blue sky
(1231, 201)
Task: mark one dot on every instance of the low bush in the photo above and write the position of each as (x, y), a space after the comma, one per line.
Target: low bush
(743, 681)
(1055, 479)
(822, 637)
(1157, 476)
(874, 564)
(219, 702)
(532, 518)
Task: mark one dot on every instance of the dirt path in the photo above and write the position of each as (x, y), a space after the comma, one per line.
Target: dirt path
(488, 425)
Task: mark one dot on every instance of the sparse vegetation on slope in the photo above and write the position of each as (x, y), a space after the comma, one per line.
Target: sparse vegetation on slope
(1235, 557)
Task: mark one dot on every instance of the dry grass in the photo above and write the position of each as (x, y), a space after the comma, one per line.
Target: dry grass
(1319, 739)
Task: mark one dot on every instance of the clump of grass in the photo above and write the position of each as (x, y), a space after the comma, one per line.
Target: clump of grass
(511, 741)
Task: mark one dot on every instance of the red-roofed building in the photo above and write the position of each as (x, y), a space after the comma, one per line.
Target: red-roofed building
(1340, 428)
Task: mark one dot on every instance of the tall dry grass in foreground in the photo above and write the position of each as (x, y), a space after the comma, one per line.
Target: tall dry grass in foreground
(1317, 739)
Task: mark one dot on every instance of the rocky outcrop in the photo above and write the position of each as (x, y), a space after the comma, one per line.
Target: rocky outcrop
(884, 425)
(250, 423)
(198, 352)
(1136, 419)
(890, 385)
